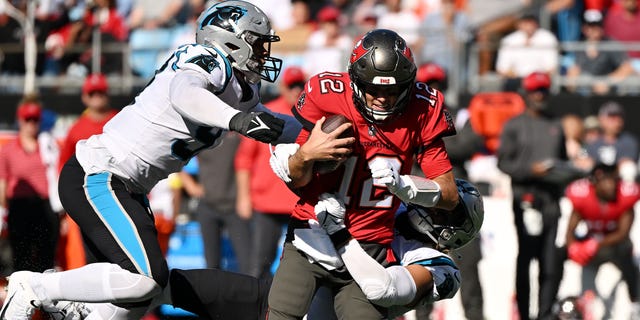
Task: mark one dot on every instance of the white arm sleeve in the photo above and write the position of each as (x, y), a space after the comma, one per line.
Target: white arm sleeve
(191, 98)
(384, 287)
(292, 126)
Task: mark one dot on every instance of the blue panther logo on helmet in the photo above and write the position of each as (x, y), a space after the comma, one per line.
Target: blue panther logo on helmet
(221, 17)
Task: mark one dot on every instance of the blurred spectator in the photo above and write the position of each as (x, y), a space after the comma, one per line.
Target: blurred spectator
(24, 194)
(444, 35)
(622, 23)
(615, 145)
(151, 23)
(574, 132)
(186, 33)
(614, 65)
(261, 194)
(605, 204)
(100, 14)
(97, 112)
(401, 20)
(532, 147)
(329, 46)
(216, 211)
(492, 19)
(567, 15)
(433, 75)
(592, 129)
(165, 210)
(526, 50)
(295, 38)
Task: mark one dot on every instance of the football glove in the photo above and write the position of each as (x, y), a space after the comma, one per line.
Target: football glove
(260, 126)
(408, 188)
(330, 213)
(582, 252)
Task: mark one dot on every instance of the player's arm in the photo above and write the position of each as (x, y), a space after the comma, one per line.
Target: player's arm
(292, 126)
(574, 219)
(622, 232)
(383, 286)
(191, 96)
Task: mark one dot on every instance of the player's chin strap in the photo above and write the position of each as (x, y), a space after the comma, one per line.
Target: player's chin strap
(279, 159)
(417, 190)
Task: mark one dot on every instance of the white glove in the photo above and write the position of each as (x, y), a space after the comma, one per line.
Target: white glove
(330, 211)
(408, 188)
(279, 159)
(383, 172)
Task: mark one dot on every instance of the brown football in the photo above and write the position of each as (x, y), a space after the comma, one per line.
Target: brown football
(330, 124)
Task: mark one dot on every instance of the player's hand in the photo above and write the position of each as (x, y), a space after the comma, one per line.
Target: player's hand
(384, 173)
(327, 146)
(330, 211)
(259, 126)
(582, 252)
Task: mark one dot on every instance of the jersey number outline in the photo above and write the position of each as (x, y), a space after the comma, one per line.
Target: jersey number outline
(187, 148)
(329, 84)
(366, 199)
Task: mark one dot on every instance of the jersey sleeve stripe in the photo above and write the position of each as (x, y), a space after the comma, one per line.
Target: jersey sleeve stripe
(228, 71)
(439, 261)
(306, 124)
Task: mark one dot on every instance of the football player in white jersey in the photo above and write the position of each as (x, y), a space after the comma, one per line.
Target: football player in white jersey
(424, 274)
(201, 91)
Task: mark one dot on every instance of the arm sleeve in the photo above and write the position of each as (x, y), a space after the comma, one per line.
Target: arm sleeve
(191, 98)
(384, 287)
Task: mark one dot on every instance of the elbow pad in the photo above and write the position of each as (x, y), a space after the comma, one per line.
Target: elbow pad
(397, 288)
(417, 190)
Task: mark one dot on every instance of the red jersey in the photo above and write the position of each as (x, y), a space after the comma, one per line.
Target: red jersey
(418, 132)
(601, 217)
(84, 128)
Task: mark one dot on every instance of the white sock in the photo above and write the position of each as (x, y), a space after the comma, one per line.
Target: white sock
(96, 282)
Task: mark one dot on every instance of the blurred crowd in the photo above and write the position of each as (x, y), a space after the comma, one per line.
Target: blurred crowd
(583, 41)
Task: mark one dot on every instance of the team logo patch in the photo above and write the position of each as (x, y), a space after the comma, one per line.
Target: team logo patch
(301, 99)
(221, 16)
(206, 62)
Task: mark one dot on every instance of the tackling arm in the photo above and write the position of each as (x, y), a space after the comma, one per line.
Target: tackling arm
(383, 286)
(191, 98)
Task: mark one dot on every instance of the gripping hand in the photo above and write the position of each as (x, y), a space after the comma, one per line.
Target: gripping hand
(259, 126)
(384, 173)
(330, 213)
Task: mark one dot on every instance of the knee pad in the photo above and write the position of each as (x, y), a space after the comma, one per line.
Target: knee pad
(131, 287)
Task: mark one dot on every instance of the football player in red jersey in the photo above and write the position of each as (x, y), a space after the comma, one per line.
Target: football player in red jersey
(605, 204)
(395, 121)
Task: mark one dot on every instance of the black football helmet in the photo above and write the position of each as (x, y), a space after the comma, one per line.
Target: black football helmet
(381, 59)
(243, 32)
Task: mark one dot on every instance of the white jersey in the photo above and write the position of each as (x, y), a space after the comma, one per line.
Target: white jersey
(184, 109)
(446, 276)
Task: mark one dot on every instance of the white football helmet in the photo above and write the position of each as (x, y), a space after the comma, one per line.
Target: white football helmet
(451, 229)
(243, 32)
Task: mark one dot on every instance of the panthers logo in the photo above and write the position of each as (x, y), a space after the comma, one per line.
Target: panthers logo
(206, 62)
(221, 16)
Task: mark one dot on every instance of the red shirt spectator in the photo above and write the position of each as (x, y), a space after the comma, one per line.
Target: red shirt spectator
(623, 22)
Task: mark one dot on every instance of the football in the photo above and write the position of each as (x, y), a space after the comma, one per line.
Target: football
(330, 124)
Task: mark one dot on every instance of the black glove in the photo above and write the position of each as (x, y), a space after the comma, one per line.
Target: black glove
(260, 126)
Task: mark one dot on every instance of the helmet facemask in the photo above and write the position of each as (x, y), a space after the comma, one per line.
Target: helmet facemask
(381, 60)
